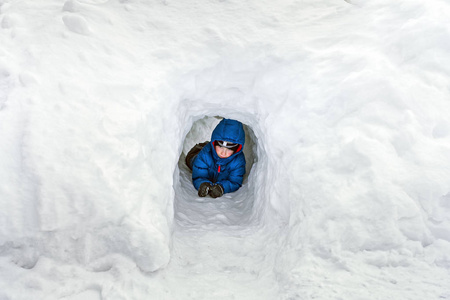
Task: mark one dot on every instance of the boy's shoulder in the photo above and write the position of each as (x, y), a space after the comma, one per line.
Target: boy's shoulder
(238, 159)
(206, 150)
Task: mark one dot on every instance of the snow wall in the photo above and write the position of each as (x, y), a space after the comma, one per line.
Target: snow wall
(352, 158)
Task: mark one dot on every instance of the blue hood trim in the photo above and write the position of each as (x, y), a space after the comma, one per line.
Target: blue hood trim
(230, 131)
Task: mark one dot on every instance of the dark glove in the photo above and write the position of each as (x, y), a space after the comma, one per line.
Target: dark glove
(216, 191)
(204, 189)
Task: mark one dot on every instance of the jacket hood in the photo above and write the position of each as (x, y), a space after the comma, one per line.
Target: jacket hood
(230, 131)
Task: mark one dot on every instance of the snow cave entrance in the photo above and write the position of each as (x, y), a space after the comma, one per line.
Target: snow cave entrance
(230, 209)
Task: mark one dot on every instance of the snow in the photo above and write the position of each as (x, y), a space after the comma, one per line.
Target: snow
(345, 106)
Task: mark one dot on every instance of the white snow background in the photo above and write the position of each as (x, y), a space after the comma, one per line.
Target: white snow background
(347, 111)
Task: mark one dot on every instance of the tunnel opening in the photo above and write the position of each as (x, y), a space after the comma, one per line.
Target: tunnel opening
(232, 209)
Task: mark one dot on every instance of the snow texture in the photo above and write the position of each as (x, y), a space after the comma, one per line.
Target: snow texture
(346, 110)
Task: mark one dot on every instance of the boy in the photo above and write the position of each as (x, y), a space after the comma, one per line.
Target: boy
(218, 166)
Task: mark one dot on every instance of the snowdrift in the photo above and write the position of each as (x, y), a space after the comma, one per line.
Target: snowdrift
(346, 110)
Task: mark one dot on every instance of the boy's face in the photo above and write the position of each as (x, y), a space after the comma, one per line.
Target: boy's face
(223, 152)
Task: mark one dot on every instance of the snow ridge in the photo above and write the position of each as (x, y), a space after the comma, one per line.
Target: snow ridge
(346, 107)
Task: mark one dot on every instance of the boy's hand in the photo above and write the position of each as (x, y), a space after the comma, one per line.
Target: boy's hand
(204, 189)
(216, 191)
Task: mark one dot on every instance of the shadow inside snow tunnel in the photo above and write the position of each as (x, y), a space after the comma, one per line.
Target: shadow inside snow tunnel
(232, 209)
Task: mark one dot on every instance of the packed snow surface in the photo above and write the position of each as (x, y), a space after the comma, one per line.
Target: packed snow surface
(346, 106)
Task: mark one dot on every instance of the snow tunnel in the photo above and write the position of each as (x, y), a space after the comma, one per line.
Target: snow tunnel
(241, 208)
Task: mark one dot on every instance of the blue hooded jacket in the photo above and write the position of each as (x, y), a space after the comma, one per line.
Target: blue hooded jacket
(228, 172)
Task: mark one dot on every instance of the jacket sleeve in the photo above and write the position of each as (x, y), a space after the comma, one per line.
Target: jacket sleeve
(234, 180)
(200, 169)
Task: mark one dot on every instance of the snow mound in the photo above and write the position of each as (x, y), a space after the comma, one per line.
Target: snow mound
(346, 107)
